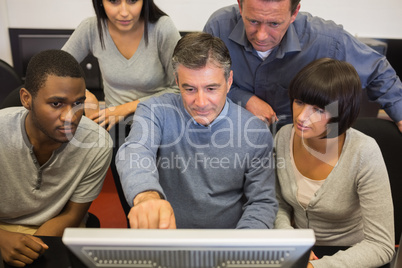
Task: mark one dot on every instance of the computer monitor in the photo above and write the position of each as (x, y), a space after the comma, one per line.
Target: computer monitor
(190, 248)
(26, 43)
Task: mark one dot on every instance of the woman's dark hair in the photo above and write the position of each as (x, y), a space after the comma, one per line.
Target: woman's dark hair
(150, 13)
(332, 85)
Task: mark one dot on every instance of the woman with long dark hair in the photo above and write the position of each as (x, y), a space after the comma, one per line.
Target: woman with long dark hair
(133, 41)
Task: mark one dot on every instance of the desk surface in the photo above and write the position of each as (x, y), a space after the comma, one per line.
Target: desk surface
(58, 255)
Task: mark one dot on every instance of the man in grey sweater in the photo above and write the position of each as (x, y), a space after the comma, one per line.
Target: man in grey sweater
(197, 160)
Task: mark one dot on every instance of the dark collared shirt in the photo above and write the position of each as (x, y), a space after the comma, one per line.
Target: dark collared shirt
(308, 38)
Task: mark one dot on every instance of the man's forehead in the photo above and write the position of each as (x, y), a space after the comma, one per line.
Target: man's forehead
(210, 74)
(289, 2)
(210, 63)
(62, 87)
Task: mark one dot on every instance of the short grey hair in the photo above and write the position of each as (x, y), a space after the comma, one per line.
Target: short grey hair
(195, 50)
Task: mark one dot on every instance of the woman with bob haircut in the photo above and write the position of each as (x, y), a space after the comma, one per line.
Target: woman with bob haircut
(133, 41)
(330, 177)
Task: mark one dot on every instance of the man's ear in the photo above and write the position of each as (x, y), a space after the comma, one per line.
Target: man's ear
(230, 80)
(26, 98)
(176, 79)
(239, 4)
(294, 15)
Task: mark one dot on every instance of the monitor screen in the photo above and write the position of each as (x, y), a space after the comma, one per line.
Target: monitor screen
(190, 248)
(25, 43)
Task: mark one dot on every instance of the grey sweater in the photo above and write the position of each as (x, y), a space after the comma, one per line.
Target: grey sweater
(148, 72)
(352, 208)
(219, 176)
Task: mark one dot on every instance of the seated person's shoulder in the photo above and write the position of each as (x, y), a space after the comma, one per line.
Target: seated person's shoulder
(361, 140)
(12, 113)
(305, 20)
(225, 12)
(12, 110)
(164, 19)
(164, 25)
(91, 21)
(283, 135)
(88, 130)
(11, 121)
(167, 98)
(284, 132)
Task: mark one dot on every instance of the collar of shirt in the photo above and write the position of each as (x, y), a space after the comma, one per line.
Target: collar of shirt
(239, 36)
(290, 42)
(264, 54)
(31, 148)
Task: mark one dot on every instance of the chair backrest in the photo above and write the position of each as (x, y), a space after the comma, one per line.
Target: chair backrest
(9, 80)
(12, 99)
(389, 139)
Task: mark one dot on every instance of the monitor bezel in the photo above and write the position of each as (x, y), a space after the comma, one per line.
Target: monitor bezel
(16, 35)
(299, 241)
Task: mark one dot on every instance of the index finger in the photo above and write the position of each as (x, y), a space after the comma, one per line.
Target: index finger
(167, 219)
(40, 241)
(36, 244)
(273, 118)
(313, 256)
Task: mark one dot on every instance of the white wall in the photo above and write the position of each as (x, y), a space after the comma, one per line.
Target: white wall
(5, 51)
(191, 15)
(51, 14)
(363, 18)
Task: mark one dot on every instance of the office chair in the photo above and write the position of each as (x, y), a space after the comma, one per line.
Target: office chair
(370, 108)
(92, 221)
(9, 79)
(12, 99)
(389, 139)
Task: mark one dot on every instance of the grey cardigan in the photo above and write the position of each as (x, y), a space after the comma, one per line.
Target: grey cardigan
(352, 208)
